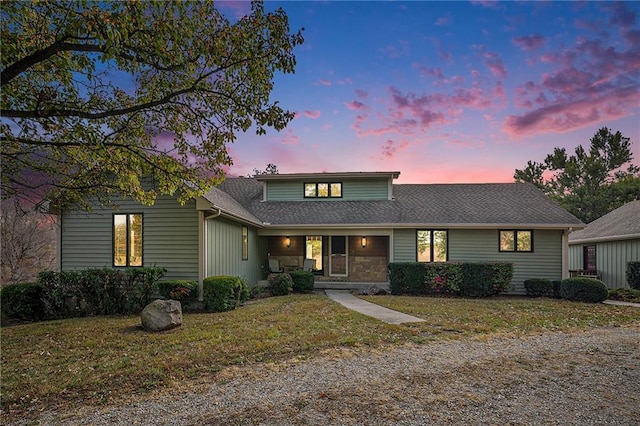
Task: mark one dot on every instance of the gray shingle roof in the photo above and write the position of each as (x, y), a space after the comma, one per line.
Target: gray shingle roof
(498, 204)
(229, 205)
(621, 223)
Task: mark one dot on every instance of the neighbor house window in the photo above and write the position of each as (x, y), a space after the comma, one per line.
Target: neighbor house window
(127, 239)
(245, 243)
(323, 190)
(589, 258)
(432, 246)
(516, 241)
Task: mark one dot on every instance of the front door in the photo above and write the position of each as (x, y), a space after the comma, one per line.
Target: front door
(338, 256)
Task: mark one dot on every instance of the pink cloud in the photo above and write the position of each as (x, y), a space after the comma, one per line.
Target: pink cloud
(324, 82)
(495, 64)
(431, 72)
(290, 138)
(362, 94)
(534, 41)
(390, 148)
(356, 106)
(312, 114)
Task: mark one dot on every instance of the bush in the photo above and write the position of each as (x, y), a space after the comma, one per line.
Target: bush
(181, 290)
(223, 293)
(280, 284)
(97, 291)
(442, 278)
(22, 301)
(625, 295)
(633, 274)
(556, 288)
(583, 290)
(538, 287)
(407, 278)
(302, 281)
(485, 279)
(503, 274)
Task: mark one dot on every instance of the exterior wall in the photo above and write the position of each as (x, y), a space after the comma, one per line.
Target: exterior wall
(352, 189)
(611, 259)
(404, 245)
(479, 245)
(170, 237)
(224, 251)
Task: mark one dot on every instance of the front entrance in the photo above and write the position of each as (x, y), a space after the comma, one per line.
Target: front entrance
(338, 260)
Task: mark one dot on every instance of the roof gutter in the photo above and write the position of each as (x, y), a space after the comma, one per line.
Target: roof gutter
(604, 239)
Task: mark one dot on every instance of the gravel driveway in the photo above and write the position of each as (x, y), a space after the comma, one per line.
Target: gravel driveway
(584, 378)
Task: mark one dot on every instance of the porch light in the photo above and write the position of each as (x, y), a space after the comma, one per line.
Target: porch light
(287, 241)
(364, 242)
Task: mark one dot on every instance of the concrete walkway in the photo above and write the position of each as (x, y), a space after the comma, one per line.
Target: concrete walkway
(346, 299)
(621, 303)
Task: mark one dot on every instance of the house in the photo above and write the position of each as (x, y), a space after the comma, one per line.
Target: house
(351, 224)
(604, 246)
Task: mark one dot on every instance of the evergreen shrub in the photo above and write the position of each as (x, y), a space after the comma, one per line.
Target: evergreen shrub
(302, 281)
(280, 284)
(583, 290)
(22, 301)
(223, 293)
(633, 274)
(538, 287)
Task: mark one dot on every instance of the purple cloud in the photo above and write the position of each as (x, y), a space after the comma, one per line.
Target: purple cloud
(531, 42)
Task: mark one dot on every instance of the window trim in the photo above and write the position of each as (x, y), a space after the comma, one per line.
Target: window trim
(128, 246)
(315, 192)
(515, 241)
(245, 242)
(431, 245)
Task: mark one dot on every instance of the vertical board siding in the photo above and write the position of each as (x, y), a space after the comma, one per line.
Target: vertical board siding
(612, 258)
(224, 251)
(352, 189)
(482, 246)
(170, 237)
(575, 257)
(404, 245)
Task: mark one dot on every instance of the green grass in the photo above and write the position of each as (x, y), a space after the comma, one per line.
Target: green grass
(95, 360)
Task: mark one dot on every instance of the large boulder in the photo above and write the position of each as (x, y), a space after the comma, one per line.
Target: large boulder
(162, 315)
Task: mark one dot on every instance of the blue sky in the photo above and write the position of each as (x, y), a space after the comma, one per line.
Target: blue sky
(449, 91)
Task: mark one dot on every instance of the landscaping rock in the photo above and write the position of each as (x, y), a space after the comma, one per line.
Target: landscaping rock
(162, 315)
(373, 291)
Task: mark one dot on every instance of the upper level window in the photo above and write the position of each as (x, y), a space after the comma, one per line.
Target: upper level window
(323, 190)
(432, 246)
(127, 240)
(516, 241)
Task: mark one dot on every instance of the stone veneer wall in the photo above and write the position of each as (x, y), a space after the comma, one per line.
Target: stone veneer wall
(368, 268)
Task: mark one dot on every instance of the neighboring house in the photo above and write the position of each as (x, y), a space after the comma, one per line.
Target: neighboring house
(351, 224)
(605, 246)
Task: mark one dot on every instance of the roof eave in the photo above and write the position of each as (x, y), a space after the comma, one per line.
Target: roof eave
(426, 225)
(604, 239)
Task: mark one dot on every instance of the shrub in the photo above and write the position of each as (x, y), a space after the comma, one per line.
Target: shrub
(537, 287)
(22, 301)
(181, 290)
(443, 278)
(556, 288)
(302, 281)
(223, 293)
(583, 290)
(485, 279)
(407, 278)
(280, 284)
(503, 274)
(625, 295)
(633, 274)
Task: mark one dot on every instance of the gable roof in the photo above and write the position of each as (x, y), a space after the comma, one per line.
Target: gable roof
(230, 206)
(422, 205)
(620, 224)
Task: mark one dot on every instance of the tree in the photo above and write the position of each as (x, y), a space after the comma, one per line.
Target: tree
(588, 184)
(28, 243)
(271, 169)
(97, 96)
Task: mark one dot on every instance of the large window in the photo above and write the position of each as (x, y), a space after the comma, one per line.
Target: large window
(323, 190)
(245, 243)
(127, 240)
(432, 246)
(516, 241)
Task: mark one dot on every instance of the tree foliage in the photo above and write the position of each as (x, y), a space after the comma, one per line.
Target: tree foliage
(98, 95)
(591, 183)
(271, 169)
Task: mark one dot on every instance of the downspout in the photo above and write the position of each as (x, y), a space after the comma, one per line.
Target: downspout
(204, 253)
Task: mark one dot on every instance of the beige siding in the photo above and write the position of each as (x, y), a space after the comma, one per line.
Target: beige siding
(170, 237)
(224, 251)
(482, 246)
(611, 259)
(352, 189)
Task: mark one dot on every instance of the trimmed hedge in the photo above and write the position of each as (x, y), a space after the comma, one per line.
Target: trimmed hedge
(625, 294)
(466, 279)
(302, 281)
(22, 301)
(280, 284)
(177, 289)
(538, 287)
(583, 290)
(223, 293)
(633, 274)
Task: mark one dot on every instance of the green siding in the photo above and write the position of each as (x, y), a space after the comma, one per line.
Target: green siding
(352, 189)
(224, 251)
(611, 259)
(170, 237)
(482, 246)
(404, 245)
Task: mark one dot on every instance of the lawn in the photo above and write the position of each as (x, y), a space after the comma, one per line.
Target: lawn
(99, 360)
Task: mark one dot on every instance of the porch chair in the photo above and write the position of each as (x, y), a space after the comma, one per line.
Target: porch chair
(308, 265)
(274, 266)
